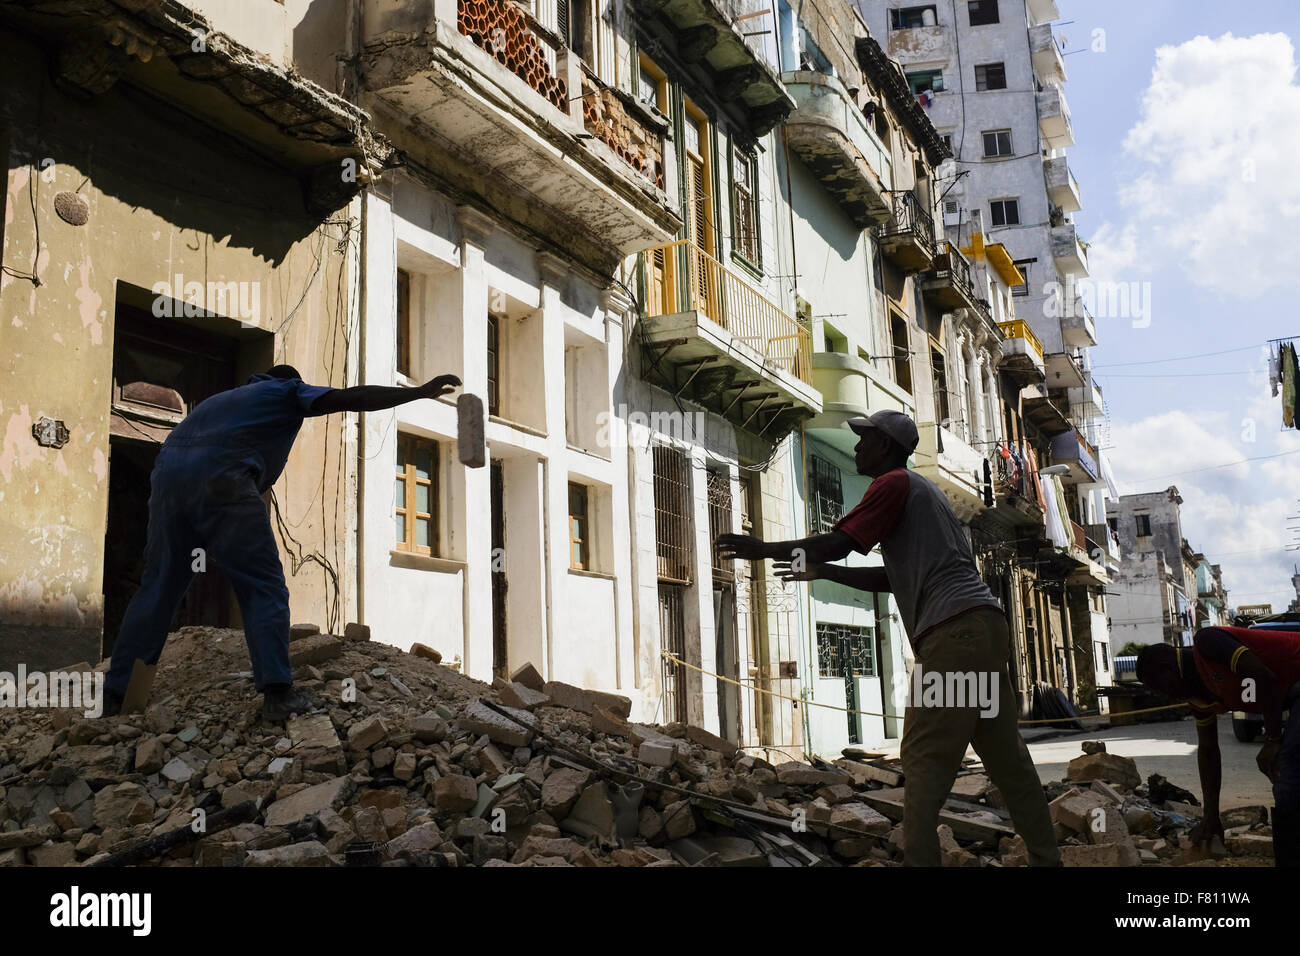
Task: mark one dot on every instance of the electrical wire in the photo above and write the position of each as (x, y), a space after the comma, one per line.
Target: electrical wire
(1178, 358)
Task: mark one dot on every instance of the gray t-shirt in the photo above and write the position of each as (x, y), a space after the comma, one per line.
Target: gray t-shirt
(929, 562)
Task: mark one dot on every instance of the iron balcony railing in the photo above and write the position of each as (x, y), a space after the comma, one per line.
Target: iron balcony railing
(683, 277)
(949, 258)
(910, 217)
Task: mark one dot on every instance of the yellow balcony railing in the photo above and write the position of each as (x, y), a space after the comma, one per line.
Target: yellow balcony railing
(680, 276)
(1019, 329)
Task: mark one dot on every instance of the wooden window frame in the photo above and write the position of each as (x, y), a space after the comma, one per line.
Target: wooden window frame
(403, 360)
(583, 519)
(407, 475)
(494, 323)
(709, 241)
(750, 257)
(660, 79)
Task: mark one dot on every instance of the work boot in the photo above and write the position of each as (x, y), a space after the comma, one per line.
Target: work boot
(112, 703)
(279, 703)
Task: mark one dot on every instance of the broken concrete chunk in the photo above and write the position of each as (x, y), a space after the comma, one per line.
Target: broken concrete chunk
(801, 774)
(367, 733)
(481, 719)
(309, 853)
(586, 701)
(521, 696)
(1078, 810)
(455, 792)
(1102, 854)
(1105, 766)
(562, 789)
(298, 632)
(356, 632)
(314, 650)
(331, 795)
(427, 652)
(528, 676)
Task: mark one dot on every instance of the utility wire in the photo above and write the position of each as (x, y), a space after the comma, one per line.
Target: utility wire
(1179, 358)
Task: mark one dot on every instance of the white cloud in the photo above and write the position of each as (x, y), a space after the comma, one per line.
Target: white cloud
(1236, 515)
(1213, 188)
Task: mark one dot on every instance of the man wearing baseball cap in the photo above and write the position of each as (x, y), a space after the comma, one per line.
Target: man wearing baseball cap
(958, 631)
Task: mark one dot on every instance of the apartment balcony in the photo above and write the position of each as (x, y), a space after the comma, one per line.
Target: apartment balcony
(1054, 118)
(907, 239)
(1022, 354)
(1045, 415)
(1086, 402)
(1078, 330)
(948, 283)
(716, 339)
(1041, 11)
(1071, 449)
(1049, 65)
(491, 100)
(1106, 540)
(953, 465)
(1068, 251)
(1062, 187)
(708, 36)
(1091, 556)
(829, 133)
(1063, 371)
(842, 382)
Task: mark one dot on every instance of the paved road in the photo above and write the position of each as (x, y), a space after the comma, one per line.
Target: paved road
(1167, 748)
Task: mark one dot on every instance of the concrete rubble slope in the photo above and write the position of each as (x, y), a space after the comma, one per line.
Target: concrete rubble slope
(414, 764)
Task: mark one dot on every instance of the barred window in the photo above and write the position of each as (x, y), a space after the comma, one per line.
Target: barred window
(672, 514)
(826, 502)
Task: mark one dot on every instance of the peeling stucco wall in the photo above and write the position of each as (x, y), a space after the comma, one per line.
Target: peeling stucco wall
(165, 196)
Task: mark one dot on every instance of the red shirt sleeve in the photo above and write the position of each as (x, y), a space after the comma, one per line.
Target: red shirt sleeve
(879, 511)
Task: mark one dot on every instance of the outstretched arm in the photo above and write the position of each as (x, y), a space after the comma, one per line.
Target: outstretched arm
(373, 398)
(864, 579)
(816, 548)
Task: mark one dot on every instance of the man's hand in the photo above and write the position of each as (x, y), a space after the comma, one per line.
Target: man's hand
(811, 572)
(1267, 759)
(437, 387)
(740, 547)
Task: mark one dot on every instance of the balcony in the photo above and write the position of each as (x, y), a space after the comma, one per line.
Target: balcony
(717, 340)
(1049, 65)
(1086, 402)
(1106, 540)
(1077, 327)
(948, 284)
(1042, 11)
(1063, 371)
(1068, 251)
(707, 35)
(1022, 354)
(841, 380)
(1071, 449)
(1054, 118)
(907, 239)
(1090, 555)
(831, 136)
(490, 100)
(1015, 502)
(1062, 187)
(1044, 414)
(953, 465)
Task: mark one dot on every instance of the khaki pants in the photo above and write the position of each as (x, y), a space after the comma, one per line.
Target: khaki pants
(936, 733)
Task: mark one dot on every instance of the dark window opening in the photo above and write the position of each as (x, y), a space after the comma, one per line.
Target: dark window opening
(991, 76)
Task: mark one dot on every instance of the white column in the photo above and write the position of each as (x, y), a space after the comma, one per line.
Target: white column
(475, 497)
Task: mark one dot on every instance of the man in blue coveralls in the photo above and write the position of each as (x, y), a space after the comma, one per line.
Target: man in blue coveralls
(206, 493)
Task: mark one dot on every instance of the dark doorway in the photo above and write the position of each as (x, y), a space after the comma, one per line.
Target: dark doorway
(162, 368)
(500, 664)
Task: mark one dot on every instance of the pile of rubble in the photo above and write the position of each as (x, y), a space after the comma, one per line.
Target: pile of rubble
(412, 763)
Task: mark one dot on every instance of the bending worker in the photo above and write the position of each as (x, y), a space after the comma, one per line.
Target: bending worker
(206, 490)
(955, 624)
(1256, 670)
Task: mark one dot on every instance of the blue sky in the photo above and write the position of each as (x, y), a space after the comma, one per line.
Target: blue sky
(1186, 145)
